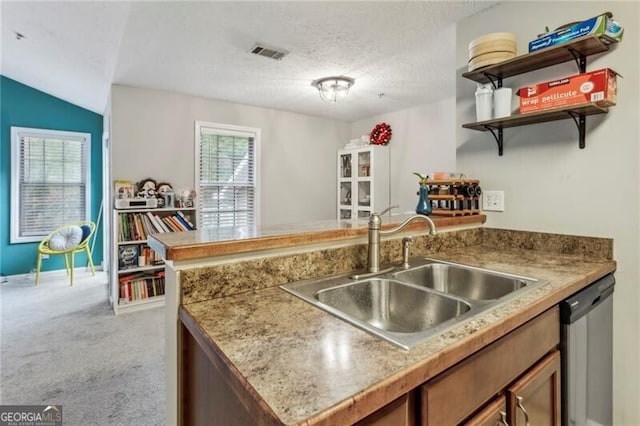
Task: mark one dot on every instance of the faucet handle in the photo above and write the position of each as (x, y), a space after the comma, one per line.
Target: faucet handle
(392, 206)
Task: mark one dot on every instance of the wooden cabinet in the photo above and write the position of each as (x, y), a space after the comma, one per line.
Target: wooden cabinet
(535, 398)
(398, 413)
(363, 181)
(495, 386)
(492, 414)
(461, 391)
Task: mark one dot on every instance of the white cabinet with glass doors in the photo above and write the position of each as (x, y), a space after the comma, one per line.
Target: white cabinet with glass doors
(363, 181)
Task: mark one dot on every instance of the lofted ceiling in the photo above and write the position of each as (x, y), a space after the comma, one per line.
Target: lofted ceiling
(401, 54)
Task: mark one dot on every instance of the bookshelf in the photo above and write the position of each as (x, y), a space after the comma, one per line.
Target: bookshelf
(137, 272)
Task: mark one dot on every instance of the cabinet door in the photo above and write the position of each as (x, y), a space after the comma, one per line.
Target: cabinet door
(535, 398)
(494, 414)
(458, 392)
(398, 413)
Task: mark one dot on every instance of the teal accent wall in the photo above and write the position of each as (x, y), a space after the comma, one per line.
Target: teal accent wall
(24, 106)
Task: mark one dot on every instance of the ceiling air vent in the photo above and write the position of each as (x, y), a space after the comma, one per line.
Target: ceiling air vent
(268, 51)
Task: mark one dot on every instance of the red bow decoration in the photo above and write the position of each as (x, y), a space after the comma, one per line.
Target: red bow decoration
(381, 134)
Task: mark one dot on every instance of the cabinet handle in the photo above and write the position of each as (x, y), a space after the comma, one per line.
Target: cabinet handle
(520, 406)
(503, 418)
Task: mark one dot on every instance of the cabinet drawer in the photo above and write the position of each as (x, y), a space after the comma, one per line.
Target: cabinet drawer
(398, 413)
(454, 395)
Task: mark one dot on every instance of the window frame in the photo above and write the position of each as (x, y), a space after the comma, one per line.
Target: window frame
(16, 134)
(229, 130)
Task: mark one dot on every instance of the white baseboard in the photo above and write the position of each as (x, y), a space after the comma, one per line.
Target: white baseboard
(56, 273)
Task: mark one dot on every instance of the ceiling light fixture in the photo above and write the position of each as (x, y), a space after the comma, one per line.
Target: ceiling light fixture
(332, 89)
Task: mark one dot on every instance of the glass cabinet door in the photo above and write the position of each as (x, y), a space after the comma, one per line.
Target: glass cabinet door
(345, 193)
(364, 164)
(345, 166)
(364, 194)
(345, 213)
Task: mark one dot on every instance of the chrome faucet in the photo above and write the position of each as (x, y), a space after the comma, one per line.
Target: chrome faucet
(375, 223)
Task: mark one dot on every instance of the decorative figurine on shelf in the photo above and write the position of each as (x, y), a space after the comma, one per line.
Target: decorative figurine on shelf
(165, 195)
(424, 206)
(146, 188)
(185, 198)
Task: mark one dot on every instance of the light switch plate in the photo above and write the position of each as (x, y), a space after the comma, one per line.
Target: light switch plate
(493, 201)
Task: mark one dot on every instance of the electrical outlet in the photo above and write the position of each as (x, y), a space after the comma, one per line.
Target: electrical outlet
(493, 201)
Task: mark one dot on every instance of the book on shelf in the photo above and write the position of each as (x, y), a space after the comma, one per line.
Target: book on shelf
(140, 286)
(131, 256)
(162, 225)
(128, 256)
(151, 223)
(137, 226)
(185, 222)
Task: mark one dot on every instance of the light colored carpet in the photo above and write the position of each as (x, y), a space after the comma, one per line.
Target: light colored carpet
(63, 345)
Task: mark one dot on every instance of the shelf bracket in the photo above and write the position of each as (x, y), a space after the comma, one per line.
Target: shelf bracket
(498, 137)
(495, 80)
(581, 60)
(580, 121)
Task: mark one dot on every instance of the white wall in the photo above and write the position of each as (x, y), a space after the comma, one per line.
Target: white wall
(422, 142)
(551, 185)
(153, 136)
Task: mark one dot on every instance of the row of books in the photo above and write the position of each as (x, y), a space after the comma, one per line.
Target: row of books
(137, 226)
(135, 287)
(136, 255)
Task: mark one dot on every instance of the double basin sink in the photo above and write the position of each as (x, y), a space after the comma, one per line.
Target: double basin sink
(408, 305)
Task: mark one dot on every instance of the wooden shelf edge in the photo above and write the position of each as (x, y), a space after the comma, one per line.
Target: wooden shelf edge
(452, 181)
(554, 55)
(555, 114)
(445, 212)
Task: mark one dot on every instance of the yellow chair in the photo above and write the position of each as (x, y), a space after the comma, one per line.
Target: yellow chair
(69, 253)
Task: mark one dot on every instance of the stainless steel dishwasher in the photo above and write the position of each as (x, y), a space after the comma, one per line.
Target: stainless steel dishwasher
(586, 353)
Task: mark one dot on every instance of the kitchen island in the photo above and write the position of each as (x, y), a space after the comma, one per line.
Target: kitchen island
(279, 360)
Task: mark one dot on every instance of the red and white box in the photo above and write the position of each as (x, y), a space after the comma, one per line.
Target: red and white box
(598, 87)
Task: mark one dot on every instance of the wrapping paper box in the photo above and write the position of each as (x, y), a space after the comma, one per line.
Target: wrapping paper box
(598, 86)
(603, 26)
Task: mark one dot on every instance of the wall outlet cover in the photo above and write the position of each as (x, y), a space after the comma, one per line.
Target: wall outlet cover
(493, 201)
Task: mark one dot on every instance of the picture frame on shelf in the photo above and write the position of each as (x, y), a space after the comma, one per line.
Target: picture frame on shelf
(123, 189)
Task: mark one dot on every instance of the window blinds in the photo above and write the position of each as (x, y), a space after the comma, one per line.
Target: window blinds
(52, 182)
(227, 187)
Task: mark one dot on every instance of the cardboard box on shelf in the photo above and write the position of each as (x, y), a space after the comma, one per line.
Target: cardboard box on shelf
(598, 87)
(603, 26)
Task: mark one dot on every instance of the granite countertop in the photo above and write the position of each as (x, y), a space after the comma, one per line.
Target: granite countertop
(221, 241)
(310, 367)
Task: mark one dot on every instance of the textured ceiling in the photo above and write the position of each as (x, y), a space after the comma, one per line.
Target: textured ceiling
(76, 50)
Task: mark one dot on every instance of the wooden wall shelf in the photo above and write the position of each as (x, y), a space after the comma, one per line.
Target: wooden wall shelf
(576, 50)
(555, 55)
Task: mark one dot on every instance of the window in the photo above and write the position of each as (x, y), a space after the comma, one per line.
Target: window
(49, 181)
(226, 175)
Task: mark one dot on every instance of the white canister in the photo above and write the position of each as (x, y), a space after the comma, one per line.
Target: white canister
(484, 95)
(502, 98)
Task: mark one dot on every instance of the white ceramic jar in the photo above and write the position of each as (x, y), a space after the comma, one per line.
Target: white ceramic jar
(484, 102)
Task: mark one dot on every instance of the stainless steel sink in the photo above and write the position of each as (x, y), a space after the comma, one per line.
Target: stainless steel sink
(407, 306)
(464, 281)
(391, 305)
